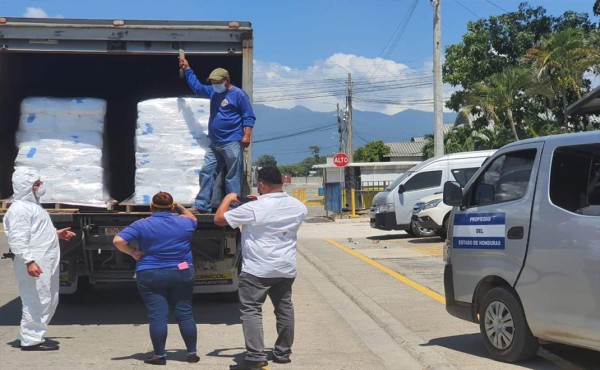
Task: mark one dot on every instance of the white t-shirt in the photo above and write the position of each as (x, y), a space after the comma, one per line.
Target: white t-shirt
(269, 233)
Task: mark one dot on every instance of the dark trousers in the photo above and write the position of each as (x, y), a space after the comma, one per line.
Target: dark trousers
(253, 292)
(164, 289)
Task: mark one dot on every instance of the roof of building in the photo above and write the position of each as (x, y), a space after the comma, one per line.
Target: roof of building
(406, 149)
(589, 104)
(414, 147)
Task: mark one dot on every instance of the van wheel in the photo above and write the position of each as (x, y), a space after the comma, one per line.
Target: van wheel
(506, 335)
(419, 231)
(443, 233)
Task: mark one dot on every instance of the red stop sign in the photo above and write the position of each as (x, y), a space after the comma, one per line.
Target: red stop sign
(341, 160)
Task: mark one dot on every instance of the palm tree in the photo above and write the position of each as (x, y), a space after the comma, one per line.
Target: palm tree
(563, 58)
(498, 96)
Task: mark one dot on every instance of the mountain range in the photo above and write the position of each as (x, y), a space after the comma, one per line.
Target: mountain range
(288, 134)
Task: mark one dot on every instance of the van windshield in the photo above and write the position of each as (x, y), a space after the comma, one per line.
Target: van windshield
(399, 180)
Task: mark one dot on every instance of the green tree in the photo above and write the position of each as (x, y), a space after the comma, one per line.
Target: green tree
(498, 96)
(266, 160)
(305, 166)
(464, 138)
(290, 169)
(563, 58)
(373, 151)
(495, 43)
(490, 45)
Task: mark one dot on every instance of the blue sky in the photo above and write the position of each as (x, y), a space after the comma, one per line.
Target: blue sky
(310, 45)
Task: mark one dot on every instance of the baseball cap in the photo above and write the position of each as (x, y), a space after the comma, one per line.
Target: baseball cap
(218, 74)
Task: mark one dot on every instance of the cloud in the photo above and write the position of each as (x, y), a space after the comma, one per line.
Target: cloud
(377, 85)
(31, 12)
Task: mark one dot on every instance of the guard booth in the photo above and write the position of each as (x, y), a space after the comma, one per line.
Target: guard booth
(369, 179)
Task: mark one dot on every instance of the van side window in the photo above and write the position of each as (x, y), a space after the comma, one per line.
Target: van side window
(505, 179)
(575, 179)
(463, 175)
(424, 180)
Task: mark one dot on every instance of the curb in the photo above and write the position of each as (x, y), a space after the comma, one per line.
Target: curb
(408, 341)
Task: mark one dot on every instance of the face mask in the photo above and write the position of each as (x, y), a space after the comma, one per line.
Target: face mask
(41, 191)
(219, 88)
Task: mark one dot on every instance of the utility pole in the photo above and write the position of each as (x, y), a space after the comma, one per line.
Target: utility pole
(438, 124)
(350, 148)
(340, 129)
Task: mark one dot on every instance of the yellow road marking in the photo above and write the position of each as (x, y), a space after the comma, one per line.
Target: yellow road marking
(435, 250)
(438, 297)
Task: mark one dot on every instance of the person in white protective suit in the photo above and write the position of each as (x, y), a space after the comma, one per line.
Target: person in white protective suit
(34, 241)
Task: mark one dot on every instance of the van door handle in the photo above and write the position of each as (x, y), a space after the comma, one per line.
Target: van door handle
(515, 232)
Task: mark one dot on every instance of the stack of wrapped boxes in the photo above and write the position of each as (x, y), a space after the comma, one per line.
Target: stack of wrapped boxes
(171, 141)
(62, 138)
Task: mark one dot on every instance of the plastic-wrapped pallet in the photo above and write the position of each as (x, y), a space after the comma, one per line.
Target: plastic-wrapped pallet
(171, 140)
(62, 138)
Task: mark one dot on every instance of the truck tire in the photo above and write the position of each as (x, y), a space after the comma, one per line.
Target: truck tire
(506, 335)
(421, 232)
(229, 297)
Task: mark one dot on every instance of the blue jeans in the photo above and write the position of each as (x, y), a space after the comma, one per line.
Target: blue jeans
(166, 288)
(220, 155)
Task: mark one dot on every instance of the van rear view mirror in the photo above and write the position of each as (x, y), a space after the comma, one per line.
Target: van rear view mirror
(401, 188)
(453, 195)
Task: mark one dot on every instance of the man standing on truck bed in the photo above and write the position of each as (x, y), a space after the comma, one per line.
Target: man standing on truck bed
(34, 241)
(269, 238)
(229, 129)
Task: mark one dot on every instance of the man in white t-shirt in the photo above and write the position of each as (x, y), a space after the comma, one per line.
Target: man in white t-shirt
(269, 233)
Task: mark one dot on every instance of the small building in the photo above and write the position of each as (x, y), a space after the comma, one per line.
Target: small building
(411, 150)
(406, 150)
(367, 179)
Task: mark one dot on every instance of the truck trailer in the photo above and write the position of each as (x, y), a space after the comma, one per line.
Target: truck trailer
(122, 62)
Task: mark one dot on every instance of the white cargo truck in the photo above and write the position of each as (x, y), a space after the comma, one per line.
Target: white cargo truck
(121, 63)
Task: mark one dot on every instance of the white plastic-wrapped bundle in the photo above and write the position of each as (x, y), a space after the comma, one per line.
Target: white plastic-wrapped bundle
(171, 141)
(62, 138)
(69, 107)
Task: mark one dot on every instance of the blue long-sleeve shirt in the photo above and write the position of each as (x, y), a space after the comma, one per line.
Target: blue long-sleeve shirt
(230, 111)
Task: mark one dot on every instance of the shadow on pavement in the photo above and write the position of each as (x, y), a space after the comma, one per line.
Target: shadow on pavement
(319, 220)
(389, 237)
(429, 240)
(120, 304)
(471, 344)
(179, 355)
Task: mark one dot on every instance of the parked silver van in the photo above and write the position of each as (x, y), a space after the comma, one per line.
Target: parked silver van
(523, 248)
(392, 209)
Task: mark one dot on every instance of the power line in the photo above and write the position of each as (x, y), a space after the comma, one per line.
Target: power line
(467, 9)
(504, 10)
(285, 136)
(395, 39)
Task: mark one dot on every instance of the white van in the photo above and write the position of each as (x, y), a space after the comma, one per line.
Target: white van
(523, 248)
(392, 209)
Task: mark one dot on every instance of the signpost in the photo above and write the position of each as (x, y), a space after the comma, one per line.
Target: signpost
(341, 159)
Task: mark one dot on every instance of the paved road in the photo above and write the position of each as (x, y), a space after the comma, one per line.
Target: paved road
(365, 299)
(398, 280)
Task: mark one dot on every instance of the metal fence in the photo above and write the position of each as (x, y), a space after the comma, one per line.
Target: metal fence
(352, 196)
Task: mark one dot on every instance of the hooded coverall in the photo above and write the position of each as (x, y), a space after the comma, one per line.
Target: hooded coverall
(32, 237)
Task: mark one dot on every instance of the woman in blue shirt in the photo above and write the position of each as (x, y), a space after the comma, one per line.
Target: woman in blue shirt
(164, 272)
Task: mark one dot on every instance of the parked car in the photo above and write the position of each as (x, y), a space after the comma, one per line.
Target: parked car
(432, 214)
(392, 208)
